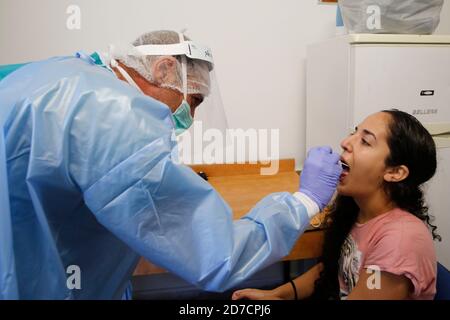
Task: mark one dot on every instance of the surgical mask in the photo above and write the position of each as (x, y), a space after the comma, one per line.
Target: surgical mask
(182, 118)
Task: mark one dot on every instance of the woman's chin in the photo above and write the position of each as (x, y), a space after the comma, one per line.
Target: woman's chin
(342, 190)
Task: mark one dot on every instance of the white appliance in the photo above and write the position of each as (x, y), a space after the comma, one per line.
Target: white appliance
(353, 76)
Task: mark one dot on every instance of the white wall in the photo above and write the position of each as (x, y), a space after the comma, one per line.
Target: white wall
(259, 46)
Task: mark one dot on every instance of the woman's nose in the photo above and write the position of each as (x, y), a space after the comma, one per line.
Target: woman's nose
(346, 144)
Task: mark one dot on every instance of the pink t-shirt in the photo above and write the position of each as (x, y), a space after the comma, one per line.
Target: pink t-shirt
(395, 242)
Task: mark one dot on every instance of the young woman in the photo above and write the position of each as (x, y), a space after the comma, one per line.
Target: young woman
(377, 245)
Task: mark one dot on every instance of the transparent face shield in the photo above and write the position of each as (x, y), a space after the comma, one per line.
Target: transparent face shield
(211, 112)
(206, 140)
(198, 78)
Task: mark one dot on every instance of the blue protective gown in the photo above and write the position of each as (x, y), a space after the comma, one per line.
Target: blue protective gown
(89, 178)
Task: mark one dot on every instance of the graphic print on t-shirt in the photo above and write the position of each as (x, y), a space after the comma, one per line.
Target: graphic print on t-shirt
(349, 265)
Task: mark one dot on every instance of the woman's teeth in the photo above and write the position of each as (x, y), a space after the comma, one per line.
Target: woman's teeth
(345, 166)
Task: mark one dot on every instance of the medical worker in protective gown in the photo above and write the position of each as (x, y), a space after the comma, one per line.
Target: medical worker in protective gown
(89, 179)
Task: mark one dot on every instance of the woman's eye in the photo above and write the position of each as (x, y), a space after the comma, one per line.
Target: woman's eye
(365, 142)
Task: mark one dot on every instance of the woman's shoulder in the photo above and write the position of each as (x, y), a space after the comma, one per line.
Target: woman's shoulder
(403, 245)
(400, 218)
(399, 236)
(405, 227)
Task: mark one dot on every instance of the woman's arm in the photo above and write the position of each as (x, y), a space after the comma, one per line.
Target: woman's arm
(380, 285)
(304, 285)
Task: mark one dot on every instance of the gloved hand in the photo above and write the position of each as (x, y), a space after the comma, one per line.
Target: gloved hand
(320, 175)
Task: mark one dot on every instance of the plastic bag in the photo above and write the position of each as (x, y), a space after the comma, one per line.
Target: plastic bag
(391, 16)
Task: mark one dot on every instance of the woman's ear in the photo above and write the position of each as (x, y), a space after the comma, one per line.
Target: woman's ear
(164, 70)
(396, 174)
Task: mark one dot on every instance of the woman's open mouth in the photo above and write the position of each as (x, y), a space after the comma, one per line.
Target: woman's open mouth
(345, 169)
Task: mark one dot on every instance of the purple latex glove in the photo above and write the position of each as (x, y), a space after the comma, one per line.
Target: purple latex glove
(320, 175)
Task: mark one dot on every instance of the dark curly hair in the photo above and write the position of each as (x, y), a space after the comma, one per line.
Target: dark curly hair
(410, 144)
